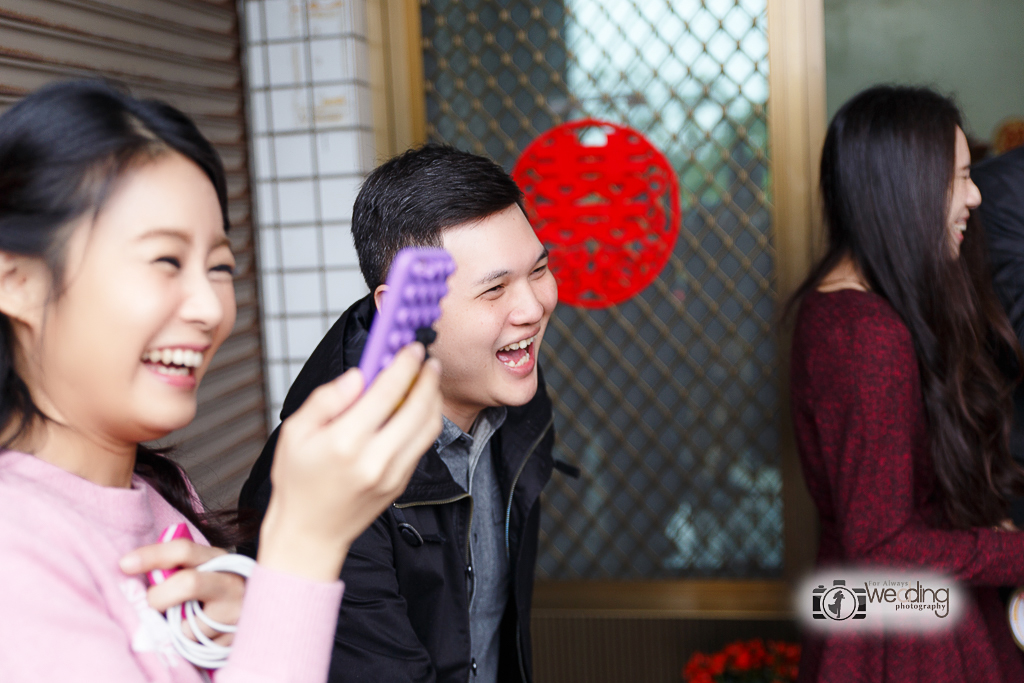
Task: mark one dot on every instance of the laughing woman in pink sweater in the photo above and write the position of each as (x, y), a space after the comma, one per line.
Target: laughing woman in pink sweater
(115, 292)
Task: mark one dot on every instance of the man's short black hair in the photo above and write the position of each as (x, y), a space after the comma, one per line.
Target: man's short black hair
(411, 199)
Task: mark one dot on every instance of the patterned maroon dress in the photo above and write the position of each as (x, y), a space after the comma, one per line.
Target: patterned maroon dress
(863, 439)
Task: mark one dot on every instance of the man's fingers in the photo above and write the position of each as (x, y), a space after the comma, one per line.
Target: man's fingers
(177, 553)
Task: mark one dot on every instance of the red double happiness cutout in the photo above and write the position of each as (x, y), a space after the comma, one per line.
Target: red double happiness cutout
(605, 203)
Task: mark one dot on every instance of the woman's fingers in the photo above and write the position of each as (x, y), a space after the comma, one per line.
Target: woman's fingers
(219, 593)
(416, 424)
(332, 477)
(171, 555)
(327, 402)
(388, 389)
(341, 399)
(396, 446)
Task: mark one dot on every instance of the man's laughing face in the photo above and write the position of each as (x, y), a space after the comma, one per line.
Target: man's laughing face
(494, 316)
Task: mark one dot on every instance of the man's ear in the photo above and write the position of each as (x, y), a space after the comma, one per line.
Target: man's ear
(378, 296)
(24, 287)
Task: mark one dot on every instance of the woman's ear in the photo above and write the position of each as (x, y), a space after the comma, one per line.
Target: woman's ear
(378, 296)
(24, 287)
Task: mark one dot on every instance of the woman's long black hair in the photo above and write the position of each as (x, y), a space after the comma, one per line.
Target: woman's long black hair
(62, 149)
(886, 175)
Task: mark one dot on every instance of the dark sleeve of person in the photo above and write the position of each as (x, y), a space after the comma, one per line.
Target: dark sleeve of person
(375, 640)
(1001, 182)
(254, 498)
(328, 360)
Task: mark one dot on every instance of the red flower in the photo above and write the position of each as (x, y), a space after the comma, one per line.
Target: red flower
(753, 661)
(717, 664)
(695, 667)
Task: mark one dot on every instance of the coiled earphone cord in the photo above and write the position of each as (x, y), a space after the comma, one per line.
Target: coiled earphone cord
(205, 653)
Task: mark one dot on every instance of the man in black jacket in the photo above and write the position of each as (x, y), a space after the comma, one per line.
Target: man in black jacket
(439, 587)
(1001, 181)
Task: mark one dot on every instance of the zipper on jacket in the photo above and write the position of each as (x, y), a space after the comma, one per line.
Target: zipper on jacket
(508, 521)
(469, 563)
(519, 655)
(419, 503)
(511, 491)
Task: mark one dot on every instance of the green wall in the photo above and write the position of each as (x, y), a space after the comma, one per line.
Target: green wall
(973, 49)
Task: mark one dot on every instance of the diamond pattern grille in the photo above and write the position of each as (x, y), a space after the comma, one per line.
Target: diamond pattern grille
(667, 401)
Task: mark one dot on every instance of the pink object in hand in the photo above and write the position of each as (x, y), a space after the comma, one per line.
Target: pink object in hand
(175, 531)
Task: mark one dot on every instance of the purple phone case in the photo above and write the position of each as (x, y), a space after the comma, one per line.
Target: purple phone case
(416, 285)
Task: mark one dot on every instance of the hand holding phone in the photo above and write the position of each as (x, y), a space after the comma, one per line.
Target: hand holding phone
(416, 285)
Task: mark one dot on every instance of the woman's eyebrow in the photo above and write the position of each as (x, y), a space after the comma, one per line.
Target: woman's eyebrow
(173, 233)
(182, 235)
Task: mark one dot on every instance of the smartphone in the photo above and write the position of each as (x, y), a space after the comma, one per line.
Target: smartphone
(416, 285)
(175, 531)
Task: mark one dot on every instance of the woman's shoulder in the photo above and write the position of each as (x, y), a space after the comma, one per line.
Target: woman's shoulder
(37, 527)
(851, 330)
(850, 314)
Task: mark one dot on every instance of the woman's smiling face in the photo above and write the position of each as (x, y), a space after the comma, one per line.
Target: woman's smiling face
(964, 195)
(147, 298)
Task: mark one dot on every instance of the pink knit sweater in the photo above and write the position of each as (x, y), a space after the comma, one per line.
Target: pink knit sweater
(68, 613)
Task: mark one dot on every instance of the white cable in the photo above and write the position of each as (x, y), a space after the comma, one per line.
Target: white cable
(205, 653)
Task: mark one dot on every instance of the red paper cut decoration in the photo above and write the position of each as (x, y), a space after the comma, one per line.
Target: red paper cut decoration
(608, 213)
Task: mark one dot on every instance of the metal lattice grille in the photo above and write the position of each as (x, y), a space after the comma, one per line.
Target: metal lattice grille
(667, 401)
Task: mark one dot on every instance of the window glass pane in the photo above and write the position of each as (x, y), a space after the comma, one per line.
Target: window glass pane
(668, 400)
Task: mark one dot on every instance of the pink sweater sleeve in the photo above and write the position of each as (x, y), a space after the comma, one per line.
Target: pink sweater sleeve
(285, 632)
(56, 623)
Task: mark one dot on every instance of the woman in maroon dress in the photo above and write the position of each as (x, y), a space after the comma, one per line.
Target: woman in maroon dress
(902, 367)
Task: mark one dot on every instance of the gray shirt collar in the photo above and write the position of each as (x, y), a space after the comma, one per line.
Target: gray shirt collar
(487, 422)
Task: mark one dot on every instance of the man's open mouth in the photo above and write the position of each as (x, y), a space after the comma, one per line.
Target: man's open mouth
(517, 353)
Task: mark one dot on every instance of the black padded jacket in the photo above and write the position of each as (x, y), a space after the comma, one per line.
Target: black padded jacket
(405, 613)
(1001, 181)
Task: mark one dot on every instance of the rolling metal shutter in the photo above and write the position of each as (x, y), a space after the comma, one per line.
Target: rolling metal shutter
(185, 52)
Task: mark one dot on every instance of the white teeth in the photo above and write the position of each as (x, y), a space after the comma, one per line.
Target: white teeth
(515, 346)
(522, 361)
(179, 358)
(171, 370)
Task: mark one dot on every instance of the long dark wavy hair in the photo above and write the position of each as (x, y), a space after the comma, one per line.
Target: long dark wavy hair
(62, 149)
(886, 175)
